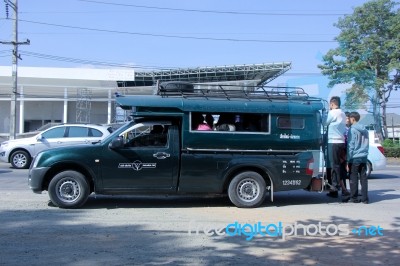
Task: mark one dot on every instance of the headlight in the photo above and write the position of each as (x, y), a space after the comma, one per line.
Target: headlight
(4, 144)
(36, 160)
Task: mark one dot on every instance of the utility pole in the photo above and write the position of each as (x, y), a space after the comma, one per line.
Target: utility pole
(15, 57)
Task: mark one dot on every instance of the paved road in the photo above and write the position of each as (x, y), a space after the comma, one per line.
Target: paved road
(155, 230)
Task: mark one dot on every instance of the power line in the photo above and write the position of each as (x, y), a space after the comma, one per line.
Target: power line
(87, 61)
(177, 36)
(190, 33)
(213, 11)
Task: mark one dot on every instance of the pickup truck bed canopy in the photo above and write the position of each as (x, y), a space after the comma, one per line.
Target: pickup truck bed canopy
(155, 104)
(183, 97)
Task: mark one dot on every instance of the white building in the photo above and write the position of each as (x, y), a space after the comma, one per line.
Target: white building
(69, 95)
(47, 95)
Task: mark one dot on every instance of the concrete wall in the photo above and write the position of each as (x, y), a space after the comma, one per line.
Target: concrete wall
(43, 110)
(5, 116)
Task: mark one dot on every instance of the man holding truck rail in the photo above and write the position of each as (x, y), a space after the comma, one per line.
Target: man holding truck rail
(336, 124)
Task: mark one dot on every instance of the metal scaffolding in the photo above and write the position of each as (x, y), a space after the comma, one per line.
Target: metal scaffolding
(259, 73)
(83, 105)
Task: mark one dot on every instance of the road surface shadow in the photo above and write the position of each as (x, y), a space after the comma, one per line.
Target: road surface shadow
(281, 199)
(383, 176)
(5, 171)
(40, 237)
(198, 201)
(155, 201)
(382, 195)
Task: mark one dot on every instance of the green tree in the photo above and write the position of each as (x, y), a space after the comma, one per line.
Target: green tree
(367, 58)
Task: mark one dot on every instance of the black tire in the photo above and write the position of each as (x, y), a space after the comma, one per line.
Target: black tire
(20, 159)
(369, 169)
(247, 190)
(68, 189)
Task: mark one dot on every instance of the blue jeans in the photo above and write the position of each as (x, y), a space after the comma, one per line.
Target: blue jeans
(336, 157)
(358, 171)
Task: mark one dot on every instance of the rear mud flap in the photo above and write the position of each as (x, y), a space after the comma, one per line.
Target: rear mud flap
(271, 192)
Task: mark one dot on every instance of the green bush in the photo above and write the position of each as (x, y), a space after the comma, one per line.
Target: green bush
(387, 143)
(392, 152)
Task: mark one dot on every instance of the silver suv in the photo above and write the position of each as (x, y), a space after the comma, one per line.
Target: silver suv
(19, 152)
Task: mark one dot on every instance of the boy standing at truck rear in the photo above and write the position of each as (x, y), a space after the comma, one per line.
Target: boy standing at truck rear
(357, 153)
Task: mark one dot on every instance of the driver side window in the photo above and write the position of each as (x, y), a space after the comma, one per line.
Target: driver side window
(57, 132)
(147, 136)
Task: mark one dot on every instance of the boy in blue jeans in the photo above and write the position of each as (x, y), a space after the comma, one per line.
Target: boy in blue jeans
(357, 153)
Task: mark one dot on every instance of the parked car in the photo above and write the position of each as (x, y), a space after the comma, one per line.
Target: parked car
(19, 152)
(376, 157)
(37, 131)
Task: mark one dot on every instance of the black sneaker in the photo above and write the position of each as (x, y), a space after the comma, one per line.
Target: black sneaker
(345, 193)
(345, 200)
(354, 201)
(350, 200)
(333, 194)
(365, 201)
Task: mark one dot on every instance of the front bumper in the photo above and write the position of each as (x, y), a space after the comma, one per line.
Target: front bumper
(36, 179)
(379, 164)
(3, 156)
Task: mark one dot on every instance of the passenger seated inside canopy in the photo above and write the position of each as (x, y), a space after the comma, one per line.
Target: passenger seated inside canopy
(204, 122)
(226, 122)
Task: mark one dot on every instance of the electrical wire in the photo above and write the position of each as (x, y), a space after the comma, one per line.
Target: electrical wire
(213, 11)
(87, 61)
(176, 36)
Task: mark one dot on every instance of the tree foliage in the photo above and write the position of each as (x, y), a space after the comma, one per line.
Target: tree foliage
(368, 52)
(356, 97)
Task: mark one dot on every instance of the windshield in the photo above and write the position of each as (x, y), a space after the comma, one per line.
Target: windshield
(119, 131)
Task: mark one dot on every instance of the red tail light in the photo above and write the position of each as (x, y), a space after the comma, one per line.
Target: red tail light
(310, 167)
(381, 149)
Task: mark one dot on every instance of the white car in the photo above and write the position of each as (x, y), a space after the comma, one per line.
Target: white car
(19, 152)
(376, 157)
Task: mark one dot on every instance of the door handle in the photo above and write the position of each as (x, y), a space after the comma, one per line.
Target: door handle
(161, 155)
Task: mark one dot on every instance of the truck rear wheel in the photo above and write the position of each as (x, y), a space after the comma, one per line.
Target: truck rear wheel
(247, 190)
(68, 189)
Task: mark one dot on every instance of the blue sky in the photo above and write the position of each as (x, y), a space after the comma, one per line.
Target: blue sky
(149, 34)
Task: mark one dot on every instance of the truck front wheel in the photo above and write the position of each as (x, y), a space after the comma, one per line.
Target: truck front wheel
(68, 189)
(247, 190)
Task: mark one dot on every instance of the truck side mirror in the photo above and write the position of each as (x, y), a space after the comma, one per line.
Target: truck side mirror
(116, 143)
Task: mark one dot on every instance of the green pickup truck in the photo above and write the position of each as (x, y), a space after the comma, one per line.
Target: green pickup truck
(193, 139)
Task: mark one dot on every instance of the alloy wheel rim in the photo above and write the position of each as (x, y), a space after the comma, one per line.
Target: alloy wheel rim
(19, 160)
